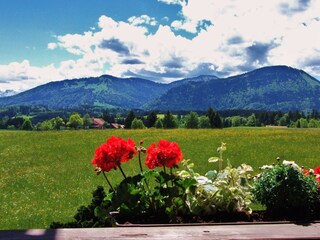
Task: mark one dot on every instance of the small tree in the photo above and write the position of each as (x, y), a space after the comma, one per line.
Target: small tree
(169, 121)
(204, 122)
(137, 124)
(45, 126)
(75, 121)
(57, 122)
(192, 120)
(27, 125)
(313, 123)
(108, 117)
(158, 123)
(214, 119)
(217, 121)
(251, 120)
(129, 119)
(303, 123)
(86, 121)
(237, 121)
(151, 119)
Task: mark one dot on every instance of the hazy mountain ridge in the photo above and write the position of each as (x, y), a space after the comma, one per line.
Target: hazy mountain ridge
(269, 88)
(107, 91)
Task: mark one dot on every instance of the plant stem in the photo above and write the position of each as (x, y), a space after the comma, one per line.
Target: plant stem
(122, 172)
(165, 173)
(171, 173)
(105, 176)
(141, 170)
(220, 162)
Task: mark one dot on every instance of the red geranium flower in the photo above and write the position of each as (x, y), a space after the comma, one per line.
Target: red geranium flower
(165, 154)
(112, 153)
(306, 172)
(317, 173)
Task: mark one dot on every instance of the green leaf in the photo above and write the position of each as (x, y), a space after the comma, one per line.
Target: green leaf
(184, 174)
(211, 174)
(109, 197)
(100, 212)
(188, 182)
(213, 159)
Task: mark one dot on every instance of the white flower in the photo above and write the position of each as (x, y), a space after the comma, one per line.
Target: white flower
(266, 167)
(292, 164)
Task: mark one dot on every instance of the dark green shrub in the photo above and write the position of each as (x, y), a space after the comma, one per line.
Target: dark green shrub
(287, 193)
(95, 214)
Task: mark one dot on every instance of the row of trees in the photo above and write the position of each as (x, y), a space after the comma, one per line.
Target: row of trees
(209, 119)
(56, 123)
(297, 120)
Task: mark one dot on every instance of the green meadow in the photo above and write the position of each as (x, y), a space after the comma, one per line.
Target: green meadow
(46, 176)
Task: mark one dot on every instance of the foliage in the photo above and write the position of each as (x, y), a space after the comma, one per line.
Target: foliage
(214, 118)
(192, 120)
(147, 193)
(204, 122)
(158, 123)
(87, 120)
(57, 122)
(137, 124)
(44, 126)
(27, 125)
(75, 121)
(169, 121)
(93, 215)
(156, 196)
(128, 121)
(16, 122)
(151, 119)
(287, 192)
(226, 191)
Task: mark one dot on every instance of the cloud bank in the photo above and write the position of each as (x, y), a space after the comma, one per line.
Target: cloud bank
(215, 37)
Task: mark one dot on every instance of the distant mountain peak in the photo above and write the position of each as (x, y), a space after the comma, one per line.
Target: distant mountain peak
(8, 93)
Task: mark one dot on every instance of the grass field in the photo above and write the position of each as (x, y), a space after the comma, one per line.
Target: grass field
(46, 176)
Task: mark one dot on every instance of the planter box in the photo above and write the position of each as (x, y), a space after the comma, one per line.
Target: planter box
(256, 218)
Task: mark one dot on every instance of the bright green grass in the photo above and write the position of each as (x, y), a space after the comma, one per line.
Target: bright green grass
(46, 176)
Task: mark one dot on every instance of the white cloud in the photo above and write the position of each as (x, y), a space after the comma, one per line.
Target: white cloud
(243, 35)
(276, 22)
(186, 25)
(179, 2)
(143, 19)
(52, 46)
(21, 75)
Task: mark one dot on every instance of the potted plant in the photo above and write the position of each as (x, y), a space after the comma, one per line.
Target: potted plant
(162, 194)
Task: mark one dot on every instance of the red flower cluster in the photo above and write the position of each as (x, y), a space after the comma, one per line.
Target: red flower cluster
(112, 153)
(317, 173)
(165, 154)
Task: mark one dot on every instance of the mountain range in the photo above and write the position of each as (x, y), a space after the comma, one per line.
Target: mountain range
(269, 88)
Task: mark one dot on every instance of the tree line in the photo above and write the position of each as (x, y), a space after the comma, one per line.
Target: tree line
(168, 120)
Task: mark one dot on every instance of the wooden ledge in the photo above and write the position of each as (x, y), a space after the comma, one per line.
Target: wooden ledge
(236, 231)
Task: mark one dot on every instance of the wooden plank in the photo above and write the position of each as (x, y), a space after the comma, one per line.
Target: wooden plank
(245, 231)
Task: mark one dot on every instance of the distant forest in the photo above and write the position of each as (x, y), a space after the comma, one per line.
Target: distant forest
(43, 118)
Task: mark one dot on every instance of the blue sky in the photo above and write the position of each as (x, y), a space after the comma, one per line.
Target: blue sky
(161, 40)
